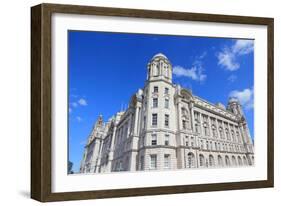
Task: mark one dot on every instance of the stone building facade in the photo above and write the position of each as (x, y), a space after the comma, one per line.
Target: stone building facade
(167, 127)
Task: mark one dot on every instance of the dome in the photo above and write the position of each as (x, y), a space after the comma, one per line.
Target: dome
(233, 100)
(159, 55)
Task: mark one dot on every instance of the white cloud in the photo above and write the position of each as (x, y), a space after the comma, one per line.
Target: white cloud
(79, 119)
(227, 58)
(196, 72)
(82, 102)
(243, 47)
(245, 97)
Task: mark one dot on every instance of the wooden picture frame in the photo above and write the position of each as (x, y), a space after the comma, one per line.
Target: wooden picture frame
(41, 97)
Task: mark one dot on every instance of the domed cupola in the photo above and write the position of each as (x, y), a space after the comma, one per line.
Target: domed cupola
(234, 106)
(159, 67)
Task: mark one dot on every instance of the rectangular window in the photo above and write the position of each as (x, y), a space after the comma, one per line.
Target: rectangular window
(183, 124)
(141, 162)
(167, 137)
(166, 161)
(192, 141)
(166, 120)
(167, 103)
(166, 90)
(202, 144)
(153, 162)
(154, 119)
(155, 89)
(155, 103)
(153, 139)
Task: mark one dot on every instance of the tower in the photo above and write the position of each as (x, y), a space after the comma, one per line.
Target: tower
(235, 107)
(157, 138)
(90, 162)
(159, 67)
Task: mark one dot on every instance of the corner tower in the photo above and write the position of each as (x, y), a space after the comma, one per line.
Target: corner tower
(159, 68)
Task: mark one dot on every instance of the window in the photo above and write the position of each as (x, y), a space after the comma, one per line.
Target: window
(167, 103)
(238, 137)
(192, 141)
(167, 137)
(154, 119)
(166, 90)
(186, 142)
(142, 163)
(220, 160)
(155, 89)
(227, 161)
(155, 102)
(207, 145)
(166, 120)
(214, 131)
(144, 122)
(120, 166)
(202, 144)
(153, 139)
(245, 161)
(239, 161)
(211, 161)
(233, 136)
(227, 134)
(205, 130)
(184, 124)
(196, 128)
(221, 132)
(201, 160)
(234, 161)
(166, 161)
(153, 162)
(190, 160)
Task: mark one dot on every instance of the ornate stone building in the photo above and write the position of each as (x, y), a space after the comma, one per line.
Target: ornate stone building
(168, 127)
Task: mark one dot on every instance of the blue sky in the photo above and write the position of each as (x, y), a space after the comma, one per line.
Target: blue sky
(105, 69)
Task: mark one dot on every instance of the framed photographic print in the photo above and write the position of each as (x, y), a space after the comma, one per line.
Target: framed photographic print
(130, 102)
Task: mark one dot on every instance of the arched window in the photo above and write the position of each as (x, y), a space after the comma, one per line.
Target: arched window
(233, 159)
(245, 161)
(227, 161)
(201, 160)
(211, 161)
(190, 160)
(239, 161)
(220, 161)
